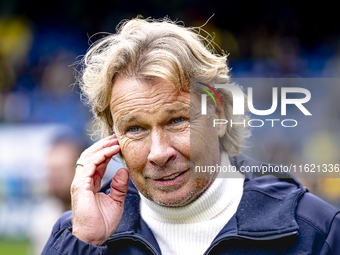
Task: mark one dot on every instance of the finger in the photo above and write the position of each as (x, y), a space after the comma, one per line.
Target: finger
(96, 182)
(104, 155)
(105, 142)
(119, 185)
(98, 175)
(101, 168)
(91, 163)
(99, 146)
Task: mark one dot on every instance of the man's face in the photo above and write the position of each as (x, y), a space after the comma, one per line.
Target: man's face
(152, 123)
(60, 165)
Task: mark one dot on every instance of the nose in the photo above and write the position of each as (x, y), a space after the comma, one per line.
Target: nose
(161, 151)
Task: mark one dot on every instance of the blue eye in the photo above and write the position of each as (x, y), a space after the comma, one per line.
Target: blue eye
(177, 120)
(133, 129)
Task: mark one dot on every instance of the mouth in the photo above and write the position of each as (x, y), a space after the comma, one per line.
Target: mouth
(173, 179)
(173, 176)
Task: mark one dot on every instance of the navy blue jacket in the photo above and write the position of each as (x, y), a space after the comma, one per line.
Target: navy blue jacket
(276, 215)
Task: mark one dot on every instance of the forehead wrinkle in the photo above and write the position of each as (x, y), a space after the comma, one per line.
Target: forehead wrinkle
(140, 98)
(126, 103)
(126, 98)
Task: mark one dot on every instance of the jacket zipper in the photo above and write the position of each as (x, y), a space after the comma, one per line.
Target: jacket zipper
(138, 237)
(235, 236)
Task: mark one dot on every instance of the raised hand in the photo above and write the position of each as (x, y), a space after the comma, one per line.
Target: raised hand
(95, 215)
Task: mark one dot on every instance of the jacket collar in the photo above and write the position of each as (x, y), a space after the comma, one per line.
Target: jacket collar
(267, 207)
(269, 201)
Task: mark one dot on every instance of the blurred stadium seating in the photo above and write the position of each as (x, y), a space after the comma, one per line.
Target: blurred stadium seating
(40, 44)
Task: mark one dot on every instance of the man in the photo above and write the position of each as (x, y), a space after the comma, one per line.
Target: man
(143, 84)
(60, 160)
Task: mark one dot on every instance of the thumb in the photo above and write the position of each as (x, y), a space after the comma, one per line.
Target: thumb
(119, 185)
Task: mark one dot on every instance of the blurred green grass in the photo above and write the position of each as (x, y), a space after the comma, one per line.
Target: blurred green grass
(15, 247)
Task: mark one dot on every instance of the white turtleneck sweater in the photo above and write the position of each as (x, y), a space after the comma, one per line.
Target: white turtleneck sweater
(190, 229)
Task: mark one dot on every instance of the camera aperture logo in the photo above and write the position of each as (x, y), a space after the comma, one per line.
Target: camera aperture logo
(204, 97)
(238, 105)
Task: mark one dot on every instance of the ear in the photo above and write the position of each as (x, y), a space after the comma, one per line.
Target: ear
(220, 114)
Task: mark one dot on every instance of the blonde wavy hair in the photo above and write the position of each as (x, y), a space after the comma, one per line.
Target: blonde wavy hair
(147, 49)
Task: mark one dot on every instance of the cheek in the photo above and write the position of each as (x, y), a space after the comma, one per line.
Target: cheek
(135, 154)
(204, 142)
(199, 137)
(181, 142)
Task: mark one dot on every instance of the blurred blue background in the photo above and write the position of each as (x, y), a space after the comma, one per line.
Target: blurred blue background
(41, 115)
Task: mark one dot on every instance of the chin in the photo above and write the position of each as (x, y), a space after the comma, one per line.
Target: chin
(176, 198)
(171, 202)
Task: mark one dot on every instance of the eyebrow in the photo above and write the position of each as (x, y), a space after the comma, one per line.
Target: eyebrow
(177, 108)
(131, 118)
(125, 119)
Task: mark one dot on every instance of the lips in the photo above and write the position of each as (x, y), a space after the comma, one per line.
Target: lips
(173, 179)
(170, 177)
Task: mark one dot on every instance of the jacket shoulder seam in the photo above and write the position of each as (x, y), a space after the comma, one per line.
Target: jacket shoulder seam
(335, 215)
(314, 226)
(318, 230)
(338, 213)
